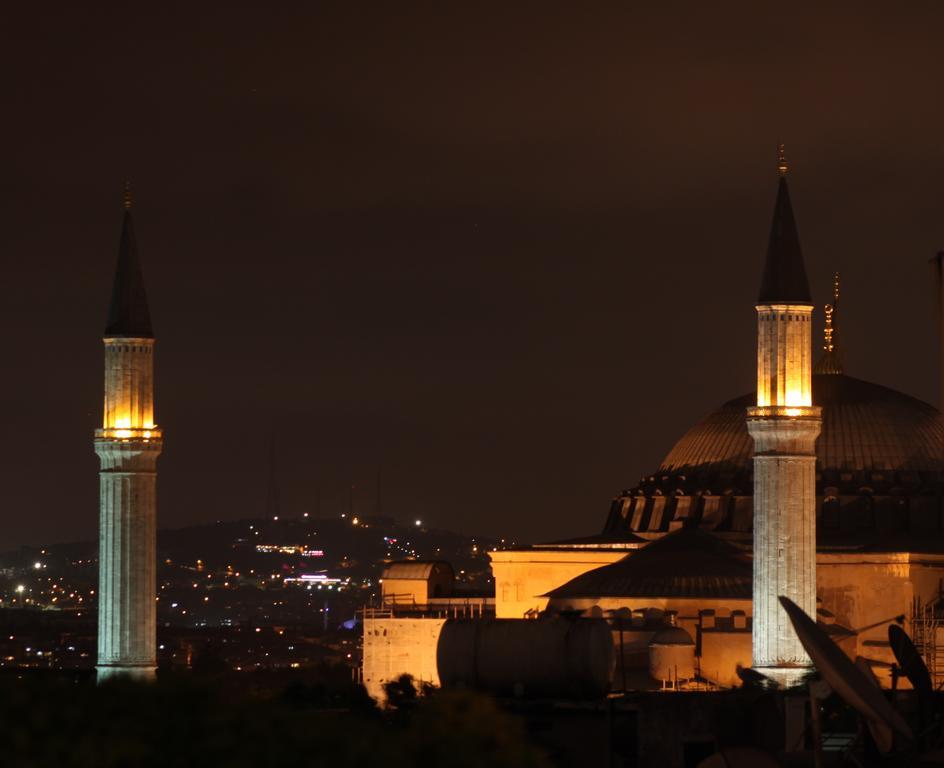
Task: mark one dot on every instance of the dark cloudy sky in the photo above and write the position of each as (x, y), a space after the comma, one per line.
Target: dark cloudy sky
(506, 251)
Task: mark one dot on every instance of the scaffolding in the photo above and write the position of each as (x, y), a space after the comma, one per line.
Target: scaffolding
(926, 623)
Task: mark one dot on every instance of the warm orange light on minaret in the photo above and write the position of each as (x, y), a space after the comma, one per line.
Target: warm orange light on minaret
(784, 355)
(129, 389)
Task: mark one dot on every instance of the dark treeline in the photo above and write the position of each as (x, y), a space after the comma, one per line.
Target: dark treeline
(55, 721)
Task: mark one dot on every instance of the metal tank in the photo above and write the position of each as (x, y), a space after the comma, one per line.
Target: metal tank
(546, 657)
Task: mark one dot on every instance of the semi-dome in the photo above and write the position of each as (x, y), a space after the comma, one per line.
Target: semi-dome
(865, 427)
(687, 563)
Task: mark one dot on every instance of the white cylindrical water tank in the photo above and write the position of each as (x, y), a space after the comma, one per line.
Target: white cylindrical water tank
(672, 655)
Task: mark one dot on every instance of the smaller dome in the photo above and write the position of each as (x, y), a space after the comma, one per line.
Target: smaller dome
(671, 636)
(688, 562)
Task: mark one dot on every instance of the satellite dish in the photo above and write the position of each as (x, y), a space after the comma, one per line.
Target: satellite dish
(881, 733)
(836, 669)
(739, 757)
(910, 662)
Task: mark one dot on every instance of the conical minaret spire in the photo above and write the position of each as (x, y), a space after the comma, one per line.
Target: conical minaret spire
(784, 426)
(128, 313)
(830, 361)
(784, 279)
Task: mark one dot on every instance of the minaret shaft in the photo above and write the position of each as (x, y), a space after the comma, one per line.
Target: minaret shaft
(784, 532)
(127, 562)
(784, 426)
(127, 445)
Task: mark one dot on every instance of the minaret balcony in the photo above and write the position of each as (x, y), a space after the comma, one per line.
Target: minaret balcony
(784, 412)
(136, 434)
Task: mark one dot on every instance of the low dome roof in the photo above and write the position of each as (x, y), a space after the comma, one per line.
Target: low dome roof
(865, 427)
(689, 562)
(416, 570)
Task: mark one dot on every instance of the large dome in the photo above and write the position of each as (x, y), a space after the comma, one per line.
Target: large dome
(865, 427)
(879, 473)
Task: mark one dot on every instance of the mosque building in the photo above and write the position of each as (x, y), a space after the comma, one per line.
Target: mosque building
(818, 486)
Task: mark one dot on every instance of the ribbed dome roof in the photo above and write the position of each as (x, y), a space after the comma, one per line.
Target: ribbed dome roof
(865, 427)
(689, 562)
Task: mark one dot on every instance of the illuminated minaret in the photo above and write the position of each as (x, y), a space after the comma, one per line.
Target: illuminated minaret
(127, 445)
(784, 426)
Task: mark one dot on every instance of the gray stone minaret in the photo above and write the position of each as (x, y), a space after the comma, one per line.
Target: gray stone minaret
(784, 426)
(127, 445)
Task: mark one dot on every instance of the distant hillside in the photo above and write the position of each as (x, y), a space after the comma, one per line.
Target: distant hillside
(354, 548)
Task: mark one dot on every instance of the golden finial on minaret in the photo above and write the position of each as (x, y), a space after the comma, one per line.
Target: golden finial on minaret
(126, 197)
(831, 360)
(829, 309)
(781, 160)
(828, 329)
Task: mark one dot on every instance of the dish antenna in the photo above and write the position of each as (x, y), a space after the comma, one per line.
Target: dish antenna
(913, 667)
(881, 733)
(910, 662)
(844, 678)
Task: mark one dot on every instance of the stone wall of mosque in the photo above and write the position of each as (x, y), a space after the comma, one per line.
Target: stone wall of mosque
(524, 577)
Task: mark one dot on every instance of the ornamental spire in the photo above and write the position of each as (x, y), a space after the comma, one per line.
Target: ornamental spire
(831, 361)
(784, 280)
(128, 313)
(782, 166)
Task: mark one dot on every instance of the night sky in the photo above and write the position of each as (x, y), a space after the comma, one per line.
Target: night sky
(508, 255)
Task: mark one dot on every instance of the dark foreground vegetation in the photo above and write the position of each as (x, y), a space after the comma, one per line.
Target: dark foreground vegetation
(192, 720)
